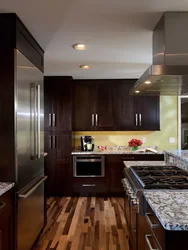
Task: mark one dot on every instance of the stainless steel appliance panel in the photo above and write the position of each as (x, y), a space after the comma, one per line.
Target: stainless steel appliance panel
(89, 166)
(29, 121)
(30, 213)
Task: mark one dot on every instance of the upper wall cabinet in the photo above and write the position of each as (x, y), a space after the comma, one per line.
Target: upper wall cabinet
(93, 105)
(58, 103)
(106, 105)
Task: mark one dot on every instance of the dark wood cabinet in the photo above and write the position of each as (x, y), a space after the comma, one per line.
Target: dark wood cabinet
(6, 221)
(147, 112)
(58, 162)
(93, 105)
(124, 105)
(58, 103)
(106, 105)
(115, 173)
(6, 229)
(58, 134)
(84, 106)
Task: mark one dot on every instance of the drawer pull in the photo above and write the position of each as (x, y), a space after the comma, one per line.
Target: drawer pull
(2, 205)
(88, 185)
(150, 223)
(147, 236)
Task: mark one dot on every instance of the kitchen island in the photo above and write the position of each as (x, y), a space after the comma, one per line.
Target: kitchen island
(5, 186)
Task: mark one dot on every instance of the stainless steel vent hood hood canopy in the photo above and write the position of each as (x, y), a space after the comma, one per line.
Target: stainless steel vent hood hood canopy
(169, 73)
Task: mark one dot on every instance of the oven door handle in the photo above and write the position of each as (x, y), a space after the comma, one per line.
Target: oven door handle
(91, 160)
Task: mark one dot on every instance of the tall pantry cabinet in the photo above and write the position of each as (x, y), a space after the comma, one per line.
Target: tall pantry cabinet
(58, 133)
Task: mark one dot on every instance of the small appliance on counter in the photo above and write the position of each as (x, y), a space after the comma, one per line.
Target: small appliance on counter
(87, 143)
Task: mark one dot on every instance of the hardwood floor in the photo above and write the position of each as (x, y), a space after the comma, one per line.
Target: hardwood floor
(84, 223)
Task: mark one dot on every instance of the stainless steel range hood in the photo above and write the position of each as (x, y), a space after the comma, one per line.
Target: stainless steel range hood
(169, 73)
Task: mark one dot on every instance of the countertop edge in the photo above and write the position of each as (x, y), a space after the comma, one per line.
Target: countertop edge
(5, 186)
(166, 225)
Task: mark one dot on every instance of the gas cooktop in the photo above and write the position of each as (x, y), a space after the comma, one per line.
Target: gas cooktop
(160, 177)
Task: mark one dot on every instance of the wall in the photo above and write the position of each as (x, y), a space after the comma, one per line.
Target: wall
(168, 123)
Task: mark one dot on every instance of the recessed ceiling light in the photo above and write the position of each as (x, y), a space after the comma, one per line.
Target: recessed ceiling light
(147, 82)
(79, 46)
(137, 91)
(85, 66)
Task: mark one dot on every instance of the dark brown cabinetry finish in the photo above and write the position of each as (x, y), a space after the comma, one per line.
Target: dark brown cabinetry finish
(147, 112)
(106, 105)
(58, 103)
(93, 105)
(124, 105)
(6, 222)
(58, 134)
(151, 234)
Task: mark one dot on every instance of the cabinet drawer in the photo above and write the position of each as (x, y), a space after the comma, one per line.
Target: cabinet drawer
(89, 185)
(5, 201)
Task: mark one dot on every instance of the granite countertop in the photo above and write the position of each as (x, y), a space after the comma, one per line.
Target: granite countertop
(5, 186)
(178, 154)
(170, 207)
(128, 164)
(108, 152)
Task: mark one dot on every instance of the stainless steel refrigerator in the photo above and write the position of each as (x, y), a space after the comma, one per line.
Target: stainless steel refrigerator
(29, 150)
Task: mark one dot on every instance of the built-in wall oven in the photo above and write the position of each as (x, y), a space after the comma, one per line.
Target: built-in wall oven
(89, 166)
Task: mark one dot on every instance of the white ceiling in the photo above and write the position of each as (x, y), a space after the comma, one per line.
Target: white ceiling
(118, 33)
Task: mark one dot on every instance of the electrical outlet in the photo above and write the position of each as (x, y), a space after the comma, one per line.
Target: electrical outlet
(144, 139)
(171, 140)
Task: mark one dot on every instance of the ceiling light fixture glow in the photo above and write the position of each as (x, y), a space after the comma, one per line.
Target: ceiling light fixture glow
(85, 66)
(137, 91)
(147, 82)
(79, 46)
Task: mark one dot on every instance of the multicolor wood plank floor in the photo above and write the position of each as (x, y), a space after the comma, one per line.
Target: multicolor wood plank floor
(84, 223)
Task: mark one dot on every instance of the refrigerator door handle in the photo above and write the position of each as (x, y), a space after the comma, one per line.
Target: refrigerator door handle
(26, 195)
(38, 121)
(33, 120)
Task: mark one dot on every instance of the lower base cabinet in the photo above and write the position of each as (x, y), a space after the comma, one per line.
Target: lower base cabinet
(6, 222)
(152, 235)
(90, 186)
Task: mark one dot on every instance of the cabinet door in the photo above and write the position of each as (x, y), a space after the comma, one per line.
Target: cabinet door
(58, 102)
(84, 106)
(50, 165)
(104, 110)
(6, 229)
(147, 112)
(62, 103)
(124, 105)
(150, 119)
(47, 104)
(115, 170)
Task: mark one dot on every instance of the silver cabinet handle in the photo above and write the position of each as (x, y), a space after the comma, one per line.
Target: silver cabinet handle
(53, 120)
(88, 185)
(50, 141)
(96, 120)
(136, 116)
(25, 195)
(93, 120)
(149, 221)
(140, 120)
(38, 121)
(147, 236)
(54, 141)
(50, 120)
